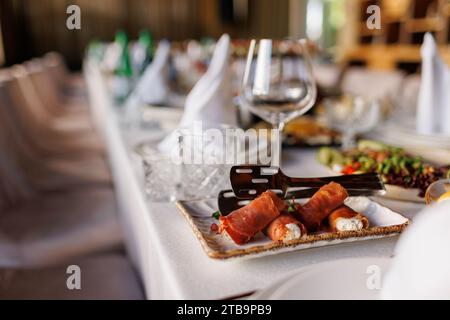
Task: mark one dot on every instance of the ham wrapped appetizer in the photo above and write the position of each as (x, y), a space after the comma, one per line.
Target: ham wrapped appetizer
(321, 204)
(346, 219)
(285, 228)
(242, 224)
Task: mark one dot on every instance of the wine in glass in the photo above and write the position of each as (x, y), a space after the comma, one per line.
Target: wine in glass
(278, 85)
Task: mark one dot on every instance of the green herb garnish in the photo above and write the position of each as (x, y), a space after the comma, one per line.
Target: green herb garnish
(216, 215)
(291, 206)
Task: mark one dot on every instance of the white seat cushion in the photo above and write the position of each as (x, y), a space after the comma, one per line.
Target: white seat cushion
(57, 226)
(102, 277)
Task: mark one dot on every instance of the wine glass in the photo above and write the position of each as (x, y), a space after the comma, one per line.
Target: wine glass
(352, 115)
(278, 85)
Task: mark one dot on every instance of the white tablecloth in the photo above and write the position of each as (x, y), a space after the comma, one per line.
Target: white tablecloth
(162, 246)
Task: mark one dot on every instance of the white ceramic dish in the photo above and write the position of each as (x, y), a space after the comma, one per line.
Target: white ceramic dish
(383, 223)
(432, 155)
(403, 194)
(347, 279)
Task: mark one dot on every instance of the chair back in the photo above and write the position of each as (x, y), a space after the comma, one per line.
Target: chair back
(372, 84)
(14, 185)
(29, 107)
(56, 66)
(409, 94)
(46, 87)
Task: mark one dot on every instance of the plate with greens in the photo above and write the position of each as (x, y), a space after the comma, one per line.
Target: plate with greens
(406, 175)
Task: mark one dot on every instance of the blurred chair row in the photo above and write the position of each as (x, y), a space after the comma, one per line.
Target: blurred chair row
(57, 203)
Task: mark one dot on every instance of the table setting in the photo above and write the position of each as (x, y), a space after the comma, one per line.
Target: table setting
(214, 208)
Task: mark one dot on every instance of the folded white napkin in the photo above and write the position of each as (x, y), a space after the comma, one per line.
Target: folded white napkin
(111, 57)
(420, 267)
(433, 109)
(210, 101)
(153, 87)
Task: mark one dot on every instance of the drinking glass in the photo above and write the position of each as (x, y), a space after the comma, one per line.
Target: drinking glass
(278, 85)
(203, 170)
(197, 167)
(438, 191)
(159, 172)
(351, 115)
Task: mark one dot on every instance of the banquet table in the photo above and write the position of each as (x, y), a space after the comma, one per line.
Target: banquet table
(160, 242)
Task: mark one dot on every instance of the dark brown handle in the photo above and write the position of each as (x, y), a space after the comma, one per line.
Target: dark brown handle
(229, 203)
(354, 181)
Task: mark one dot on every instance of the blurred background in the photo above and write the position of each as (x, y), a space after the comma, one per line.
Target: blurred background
(86, 150)
(31, 28)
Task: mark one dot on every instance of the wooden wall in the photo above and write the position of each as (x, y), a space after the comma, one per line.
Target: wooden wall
(33, 27)
(397, 44)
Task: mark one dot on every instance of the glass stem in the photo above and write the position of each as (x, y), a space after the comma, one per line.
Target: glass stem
(348, 139)
(276, 144)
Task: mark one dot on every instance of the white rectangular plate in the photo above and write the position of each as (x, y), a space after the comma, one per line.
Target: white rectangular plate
(383, 223)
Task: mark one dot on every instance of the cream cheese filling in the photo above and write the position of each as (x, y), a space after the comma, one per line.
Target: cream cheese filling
(293, 232)
(351, 224)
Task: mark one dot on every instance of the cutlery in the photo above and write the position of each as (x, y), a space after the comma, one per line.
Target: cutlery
(249, 181)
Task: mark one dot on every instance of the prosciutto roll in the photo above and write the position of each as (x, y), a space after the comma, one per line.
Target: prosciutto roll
(346, 219)
(321, 204)
(285, 228)
(242, 224)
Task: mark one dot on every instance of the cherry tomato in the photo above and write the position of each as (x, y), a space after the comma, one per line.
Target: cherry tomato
(348, 169)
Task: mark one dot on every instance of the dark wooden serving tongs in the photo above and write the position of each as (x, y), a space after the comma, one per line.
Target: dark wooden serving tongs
(228, 202)
(249, 181)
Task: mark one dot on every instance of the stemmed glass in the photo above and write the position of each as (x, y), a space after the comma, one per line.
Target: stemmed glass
(278, 85)
(351, 115)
